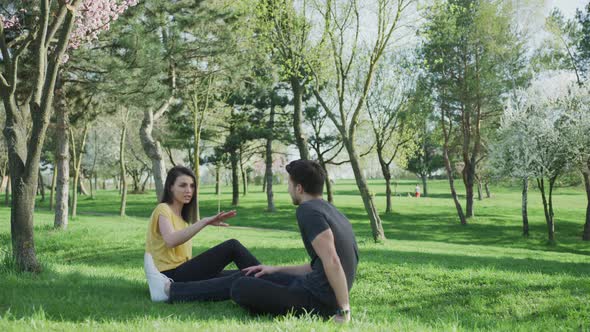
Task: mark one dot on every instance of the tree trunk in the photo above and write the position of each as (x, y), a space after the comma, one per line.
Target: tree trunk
(452, 185)
(300, 139)
(41, 186)
(388, 207)
(81, 186)
(62, 157)
(235, 182)
(197, 163)
(386, 175)
(243, 174)
(424, 185)
(91, 187)
(153, 150)
(21, 221)
(525, 216)
(479, 191)
(25, 144)
(145, 183)
(546, 210)
(586, 234)
(551, 226)
(376, 226)
(77, 163)
(329, 189)
(122, 166)
(487, 188)
(7, 192)
(270, 204)
(135, 177)
(264, 182)
(53, 185)
(24, 156)
(217, 179)
(4, 176)
(469, 180)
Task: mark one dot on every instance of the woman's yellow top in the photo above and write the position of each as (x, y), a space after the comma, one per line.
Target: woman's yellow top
(166, 258)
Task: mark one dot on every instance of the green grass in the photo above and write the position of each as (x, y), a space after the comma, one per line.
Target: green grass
(431, 273)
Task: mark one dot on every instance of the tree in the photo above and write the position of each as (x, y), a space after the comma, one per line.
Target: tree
(390, 118)
(3, 163)
(102, 155)
(270, 97)
(288, 38)
(473, 56)
(536, 142)
(349, 65)
(39, 35)
(325, 143)
(199, 110)
(82, 110)
(576, 106)
(568, 48)
(427, 158)
(513, 154)
(123, 172)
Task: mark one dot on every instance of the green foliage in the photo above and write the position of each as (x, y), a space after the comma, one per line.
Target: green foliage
(584, 41)
(472, 53)
(285, 34)
(568, 45)
(427, 159)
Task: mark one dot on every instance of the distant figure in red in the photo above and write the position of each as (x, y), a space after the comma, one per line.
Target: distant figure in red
(417, 191)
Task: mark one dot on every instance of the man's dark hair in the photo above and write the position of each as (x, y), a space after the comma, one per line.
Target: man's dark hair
(309, 174)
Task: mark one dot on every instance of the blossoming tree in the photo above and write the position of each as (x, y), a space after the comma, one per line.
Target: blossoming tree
(34, 41)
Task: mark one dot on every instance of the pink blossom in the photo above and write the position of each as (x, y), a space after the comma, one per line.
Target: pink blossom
(92, 17)
(95, 16)
(11, 22)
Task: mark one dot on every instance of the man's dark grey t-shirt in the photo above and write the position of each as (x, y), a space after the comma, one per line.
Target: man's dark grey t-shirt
(315, 216)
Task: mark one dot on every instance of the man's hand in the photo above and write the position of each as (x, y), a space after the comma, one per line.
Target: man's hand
(218, 219)
(260, 270)
(342, 318)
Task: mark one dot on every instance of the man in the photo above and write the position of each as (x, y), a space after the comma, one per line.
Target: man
(321, 286)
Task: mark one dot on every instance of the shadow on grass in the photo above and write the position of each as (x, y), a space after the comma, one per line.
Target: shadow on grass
(486, 229)
(422, 223)
(100, 297)
(461, 262)
(78, 297)
(124, 257)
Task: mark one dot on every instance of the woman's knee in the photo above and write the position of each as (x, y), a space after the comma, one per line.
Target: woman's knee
(233, 243)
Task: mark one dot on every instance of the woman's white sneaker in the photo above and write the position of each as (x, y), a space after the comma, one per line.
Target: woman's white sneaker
(156, 281)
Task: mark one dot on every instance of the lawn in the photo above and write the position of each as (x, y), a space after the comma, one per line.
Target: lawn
(431, 273)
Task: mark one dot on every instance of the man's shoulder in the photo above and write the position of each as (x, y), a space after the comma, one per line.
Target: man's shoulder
(313, 206)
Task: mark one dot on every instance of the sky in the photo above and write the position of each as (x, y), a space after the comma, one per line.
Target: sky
(568, 7)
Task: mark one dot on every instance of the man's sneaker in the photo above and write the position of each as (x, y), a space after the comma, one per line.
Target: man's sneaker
(156, 280)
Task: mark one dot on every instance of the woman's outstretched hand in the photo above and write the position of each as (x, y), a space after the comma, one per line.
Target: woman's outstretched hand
(220, 218)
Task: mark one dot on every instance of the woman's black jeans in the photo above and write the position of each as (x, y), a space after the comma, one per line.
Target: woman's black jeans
(202, 278)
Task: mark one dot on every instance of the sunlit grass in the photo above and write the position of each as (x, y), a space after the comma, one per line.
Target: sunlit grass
(431, 273)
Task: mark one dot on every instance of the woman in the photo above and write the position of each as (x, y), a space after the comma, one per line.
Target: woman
(171, 272)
